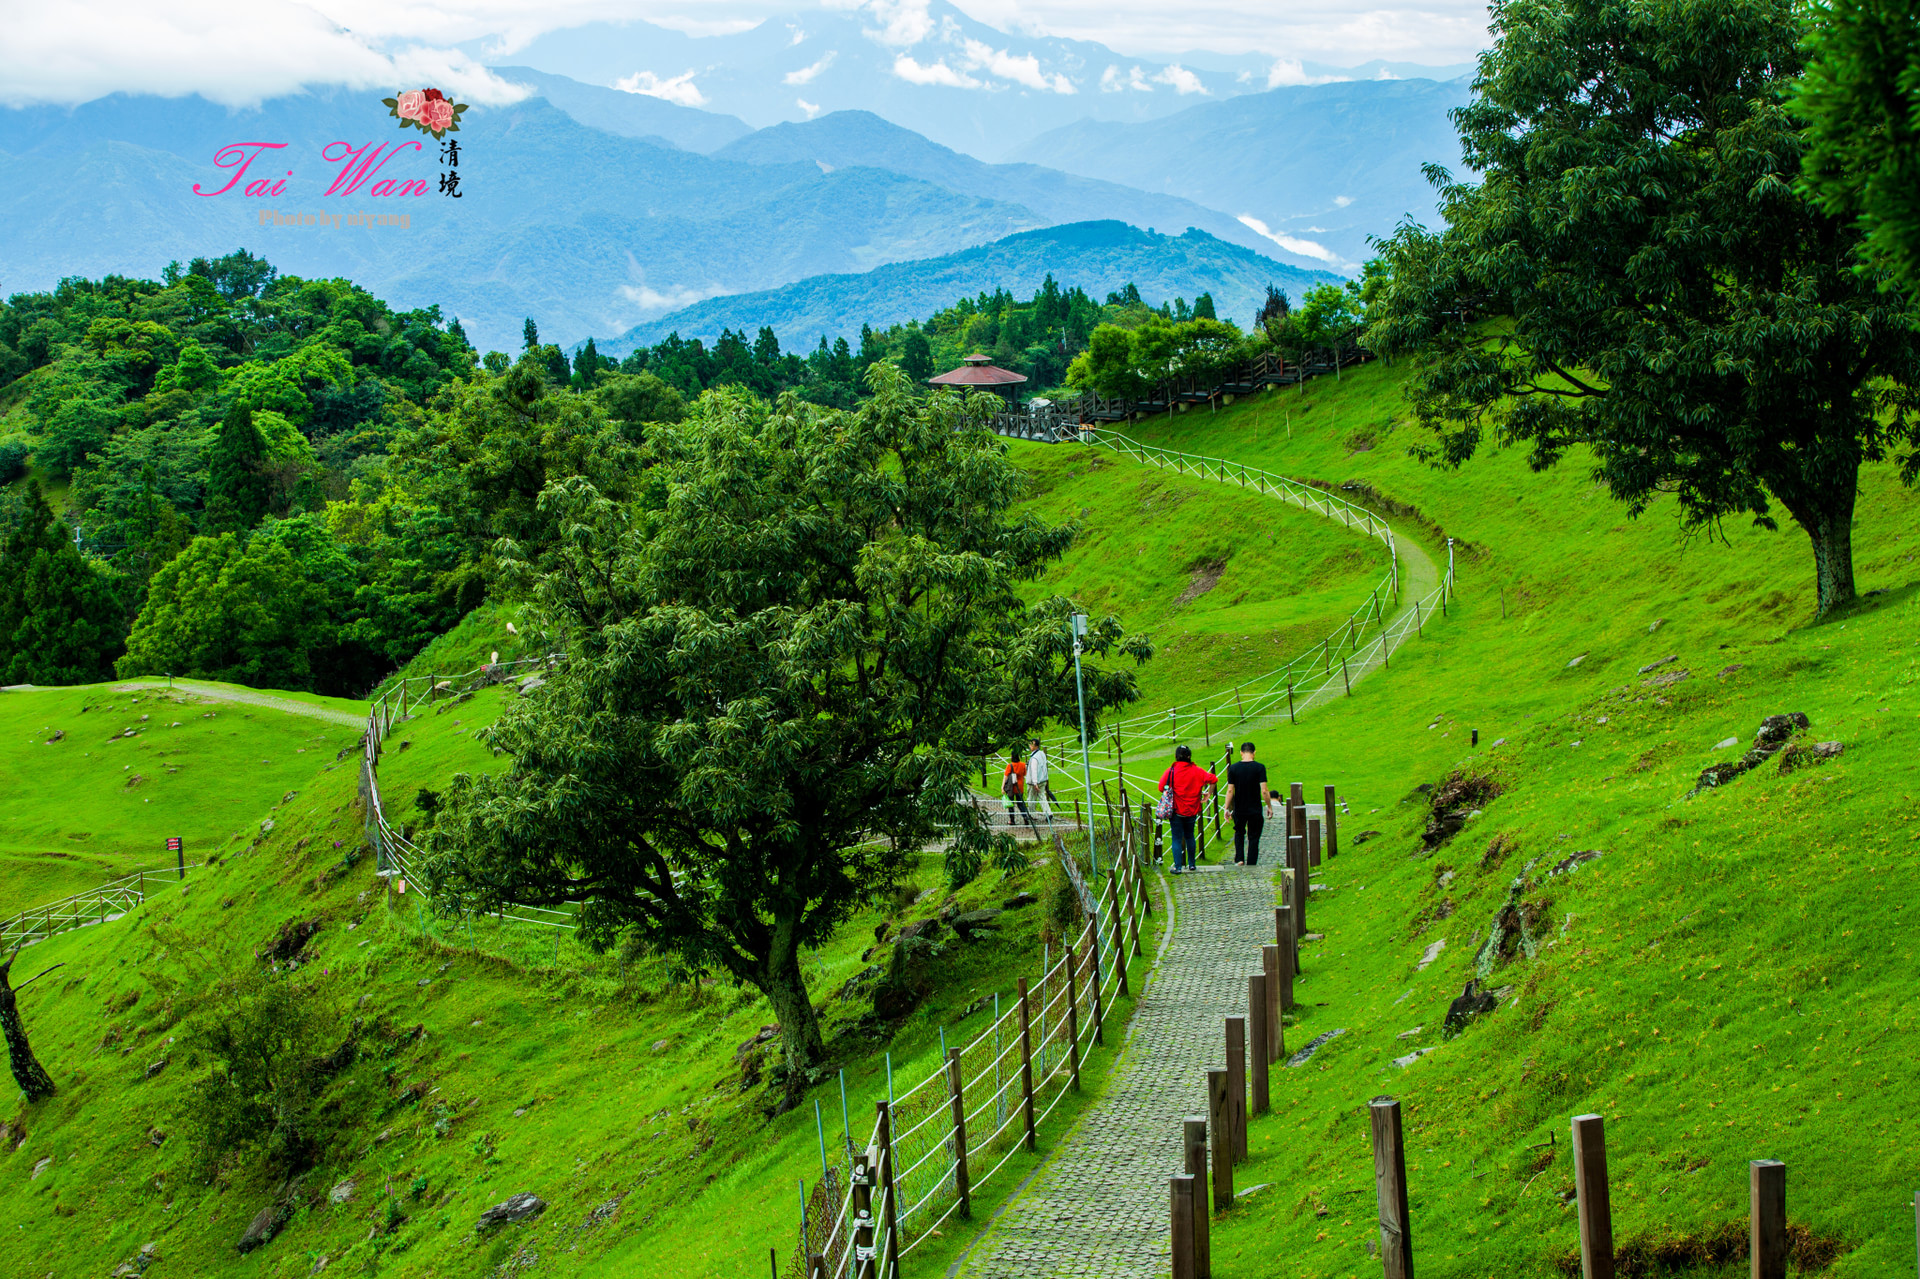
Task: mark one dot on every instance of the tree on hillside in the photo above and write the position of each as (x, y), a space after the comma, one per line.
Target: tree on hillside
(1203, 307)
(633, 400)
(231, 609)
(1862, 96)
(916, 356)
(239, 488)
(1637, 272)
(32, 1077)
(781, 671)
(60, 622)
(529, 335)
(1330, 316)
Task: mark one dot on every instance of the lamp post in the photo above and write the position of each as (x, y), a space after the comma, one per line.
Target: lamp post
(1086, 765)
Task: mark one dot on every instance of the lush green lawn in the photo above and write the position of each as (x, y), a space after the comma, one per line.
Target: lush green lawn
(1729, 980)
(625, 1080)
(1229, 584)
(96, 804)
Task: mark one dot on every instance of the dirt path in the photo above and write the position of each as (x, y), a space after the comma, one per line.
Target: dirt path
(268, 701)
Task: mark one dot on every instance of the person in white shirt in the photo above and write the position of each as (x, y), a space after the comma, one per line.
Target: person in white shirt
(1037, 789)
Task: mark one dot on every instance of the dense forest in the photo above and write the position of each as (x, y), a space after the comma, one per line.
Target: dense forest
(243, 475)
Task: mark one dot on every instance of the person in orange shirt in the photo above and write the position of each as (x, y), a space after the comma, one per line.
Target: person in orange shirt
(1013, 786)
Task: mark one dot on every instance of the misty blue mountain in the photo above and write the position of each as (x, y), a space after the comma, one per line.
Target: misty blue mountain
(1100, 257)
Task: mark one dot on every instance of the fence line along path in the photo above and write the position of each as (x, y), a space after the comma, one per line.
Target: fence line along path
(1098, 1207)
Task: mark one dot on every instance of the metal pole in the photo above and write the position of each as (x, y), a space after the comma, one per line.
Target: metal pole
(820, 1131)
(845, 1125)
(1079, 628)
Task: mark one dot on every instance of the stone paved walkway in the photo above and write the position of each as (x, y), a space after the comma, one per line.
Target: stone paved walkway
(1098, 1207)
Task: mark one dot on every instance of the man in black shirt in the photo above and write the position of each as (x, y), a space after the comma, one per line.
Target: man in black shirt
(1247, 801)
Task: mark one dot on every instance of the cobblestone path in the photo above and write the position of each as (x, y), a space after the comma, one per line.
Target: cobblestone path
(1098, 1207)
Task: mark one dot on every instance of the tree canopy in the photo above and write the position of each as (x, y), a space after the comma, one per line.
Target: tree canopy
(783, 661)
(1638, 273)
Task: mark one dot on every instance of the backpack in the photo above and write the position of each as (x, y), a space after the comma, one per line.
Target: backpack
(1010, 786)
(1165, 809)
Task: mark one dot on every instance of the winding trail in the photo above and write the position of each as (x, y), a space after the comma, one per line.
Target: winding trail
(213, 692)
(1098, 1206)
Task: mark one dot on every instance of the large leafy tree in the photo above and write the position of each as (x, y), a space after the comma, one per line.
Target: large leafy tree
(239, 486)
(232, 608)
(782, 669)
(1638, 273)
(1862, 95)
(60, 622)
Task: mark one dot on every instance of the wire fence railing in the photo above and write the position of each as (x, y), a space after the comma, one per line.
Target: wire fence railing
(97, 905)
(1319, 673)
(950, 1137)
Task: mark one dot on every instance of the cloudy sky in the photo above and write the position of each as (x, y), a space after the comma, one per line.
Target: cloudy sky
(238, 51)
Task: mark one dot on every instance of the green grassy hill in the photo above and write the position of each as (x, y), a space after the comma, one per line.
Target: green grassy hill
(1727, 980)
(98, 778)
(495, 1061)
(1228, 583)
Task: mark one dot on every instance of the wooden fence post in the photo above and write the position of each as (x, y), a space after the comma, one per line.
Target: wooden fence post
(1767, 1222)
(957, 1104)
(1289, 954)
(1093, 986)
(1117, 950)
(1026, 1061)
(1302, 884)
(1183, 1214)
(1390, 1188)
(1313, 841)
(1259, 1044)
(1237, 1083)
(1276, 1034)
(1073, 1017)
(1193, 1134)
(1590, 1185)
(1330, 823)
(1220, 1124)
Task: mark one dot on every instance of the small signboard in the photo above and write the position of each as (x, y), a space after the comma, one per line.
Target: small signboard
(175, 843)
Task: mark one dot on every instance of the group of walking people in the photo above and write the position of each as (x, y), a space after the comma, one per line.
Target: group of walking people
(1183, 791)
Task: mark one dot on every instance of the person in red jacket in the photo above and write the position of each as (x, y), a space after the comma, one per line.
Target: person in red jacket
(1189, 783)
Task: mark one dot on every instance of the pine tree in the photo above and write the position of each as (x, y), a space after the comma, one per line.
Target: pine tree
(586, 367)
(1203, 307)
(238, 486)
(530, 333)
(59, 621)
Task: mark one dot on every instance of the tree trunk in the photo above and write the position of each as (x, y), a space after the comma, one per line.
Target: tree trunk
(785, 987)
(1827, 517)
(27, 1070)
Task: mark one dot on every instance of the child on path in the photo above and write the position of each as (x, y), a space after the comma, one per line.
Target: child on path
(1189, 783)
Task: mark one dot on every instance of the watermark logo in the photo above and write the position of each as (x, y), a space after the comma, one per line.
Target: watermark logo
(427, 110)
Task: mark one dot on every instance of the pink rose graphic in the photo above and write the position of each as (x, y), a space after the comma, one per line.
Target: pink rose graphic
(436, 114)
(408, 104)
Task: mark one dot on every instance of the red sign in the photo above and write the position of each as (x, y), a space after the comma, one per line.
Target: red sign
(174, 843)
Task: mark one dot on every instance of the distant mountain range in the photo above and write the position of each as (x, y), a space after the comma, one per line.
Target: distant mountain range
(596, 210)
(925, 66)
(1100, 257)
(1323, 166)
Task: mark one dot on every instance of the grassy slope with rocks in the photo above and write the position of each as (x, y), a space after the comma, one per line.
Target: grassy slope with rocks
(95, 804)
(1726, 981)
(614, 1091)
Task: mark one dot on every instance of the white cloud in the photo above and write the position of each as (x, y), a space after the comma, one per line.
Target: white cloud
(1021, 70)
(805, 75)
(799, 35)
(903, 23)
(811, 108)
(703, 26)
(1112, 81)
(1342, 201)
(652, 301)
(1287, 72)
(678, 89)
(938, 73)
(1305, 248)
(235, 52)
(1182, 80)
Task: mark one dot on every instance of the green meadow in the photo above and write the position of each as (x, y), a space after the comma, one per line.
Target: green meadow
(1728, 979)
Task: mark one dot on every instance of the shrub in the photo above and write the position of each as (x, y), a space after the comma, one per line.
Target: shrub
(281, 1075)
(13, 461)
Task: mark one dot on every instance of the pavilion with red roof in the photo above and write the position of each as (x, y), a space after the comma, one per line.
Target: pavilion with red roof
(976, 374)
